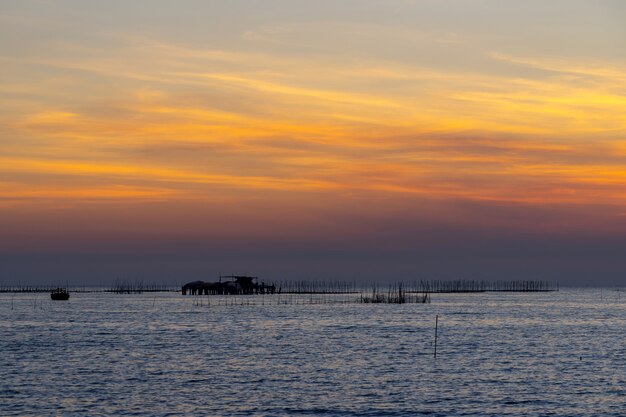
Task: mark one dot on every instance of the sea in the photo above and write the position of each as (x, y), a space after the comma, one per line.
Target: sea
(164, 354)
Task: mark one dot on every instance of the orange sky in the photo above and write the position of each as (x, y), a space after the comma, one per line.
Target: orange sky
(149, 122)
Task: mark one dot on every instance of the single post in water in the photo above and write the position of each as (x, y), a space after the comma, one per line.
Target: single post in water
(436, 325)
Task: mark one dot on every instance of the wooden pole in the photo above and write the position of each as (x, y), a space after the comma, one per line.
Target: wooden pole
(436, 325)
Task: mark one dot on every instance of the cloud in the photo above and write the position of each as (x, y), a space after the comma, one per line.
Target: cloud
(146, 119)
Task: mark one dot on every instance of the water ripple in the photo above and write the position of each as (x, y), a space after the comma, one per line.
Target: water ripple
(498, 355)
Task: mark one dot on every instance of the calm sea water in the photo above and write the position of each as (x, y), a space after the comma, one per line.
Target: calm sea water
(498, 354)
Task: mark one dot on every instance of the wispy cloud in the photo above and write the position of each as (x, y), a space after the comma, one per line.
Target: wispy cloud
(163, 120)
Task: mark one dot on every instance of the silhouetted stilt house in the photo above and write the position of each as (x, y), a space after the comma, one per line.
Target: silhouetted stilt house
(229, 284)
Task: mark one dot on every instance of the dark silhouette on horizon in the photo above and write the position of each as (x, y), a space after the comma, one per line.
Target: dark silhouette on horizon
(236, 284)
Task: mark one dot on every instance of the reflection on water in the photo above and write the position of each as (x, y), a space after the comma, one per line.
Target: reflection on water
(498, 354)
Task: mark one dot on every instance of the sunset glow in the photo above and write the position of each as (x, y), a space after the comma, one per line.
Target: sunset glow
(301, 128)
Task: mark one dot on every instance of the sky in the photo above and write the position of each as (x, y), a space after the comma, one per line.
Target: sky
(357, 140)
